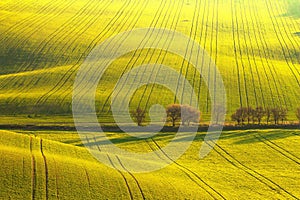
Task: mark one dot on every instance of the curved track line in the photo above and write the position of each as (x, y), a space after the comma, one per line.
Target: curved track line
(258, 176)
(69, 73)
(124, 178)
(46, 168)
(33, 171)
(279, 149)
(136, 181)
(183, 168)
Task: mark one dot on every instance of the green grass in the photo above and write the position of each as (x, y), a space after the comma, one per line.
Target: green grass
(260, 164)
(43, 43)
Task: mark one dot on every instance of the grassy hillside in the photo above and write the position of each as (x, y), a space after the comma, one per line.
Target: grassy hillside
(254, 44)
(262, 164)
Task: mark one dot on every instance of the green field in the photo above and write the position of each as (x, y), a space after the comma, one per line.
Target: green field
(255, 45)
(54, 165)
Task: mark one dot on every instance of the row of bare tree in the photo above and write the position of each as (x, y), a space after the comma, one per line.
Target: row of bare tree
(256, 115)
(186, 114)
(174, 113)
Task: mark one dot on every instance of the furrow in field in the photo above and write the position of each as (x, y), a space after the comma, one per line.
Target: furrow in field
(46, 169)
(205, 16)
(265, 56)
(211, 73)
(182, 169)
(173, 27)
(283, 7)
(56, 179)
(216, 47)
(98, 38)
(88, 179)
(200, 40)
(17, 8)
(146, 95)
(33, 172)
(236, 55)
(248, 47)
(262, 58)
(260, 50)
(286, 54)
(178, 86)
(32, 60)
(192, 36)
(136, 54)
(25, 87)
(134, 178)
(285, 26)
(65, 47)
(35, 25)
(278, 148)
(44, 43)
(32, 18)
(240, 54)
(123, 176)
(8, 4)
(281, 80)
(190, 173)
(134, 21)
(153, 54)
(102, 34)
(255, 174)
(60, 84)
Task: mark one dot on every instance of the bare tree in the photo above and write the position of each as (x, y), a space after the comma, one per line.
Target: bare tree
(243, 112)
(279, 114)
(283, 114)
(189, 114)
(268, 114)
(275, 114)
(173, 112)
(138, 115)
(240, 115)
(258, 114)
(236, 117)
(249, 112)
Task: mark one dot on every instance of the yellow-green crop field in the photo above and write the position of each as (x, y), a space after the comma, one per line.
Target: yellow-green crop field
(255, 46)
(244, 164)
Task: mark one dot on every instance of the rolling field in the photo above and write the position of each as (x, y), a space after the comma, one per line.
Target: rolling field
(44, 44)
(255, 45)
(54, 165)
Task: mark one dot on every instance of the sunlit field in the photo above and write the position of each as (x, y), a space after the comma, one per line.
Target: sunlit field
(54, 165)
(255, 45)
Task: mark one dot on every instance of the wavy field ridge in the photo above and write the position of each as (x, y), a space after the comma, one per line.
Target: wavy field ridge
(254, 44)
(262, 164)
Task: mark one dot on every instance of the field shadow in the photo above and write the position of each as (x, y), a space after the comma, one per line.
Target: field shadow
(270, 135)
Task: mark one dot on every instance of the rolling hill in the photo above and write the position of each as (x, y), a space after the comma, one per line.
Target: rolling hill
(54, 165)
(255, 46)
(260, 164)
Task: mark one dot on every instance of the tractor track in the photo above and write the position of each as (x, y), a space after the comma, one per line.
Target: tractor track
(46, 169)
(253, 173)
(279, 149)
(123, 176)
(191, 173)
(33, 171)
